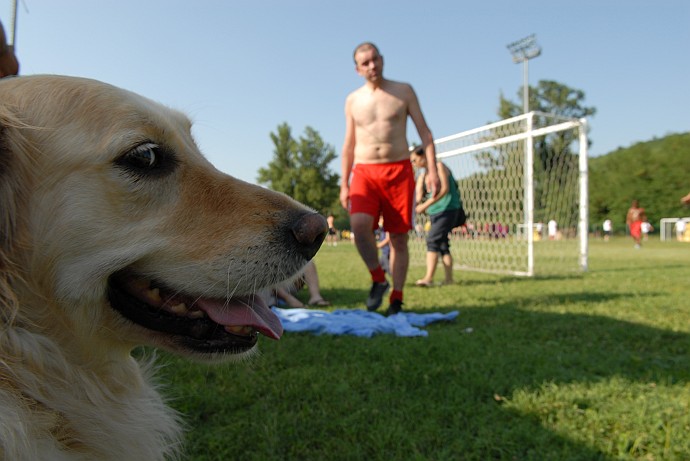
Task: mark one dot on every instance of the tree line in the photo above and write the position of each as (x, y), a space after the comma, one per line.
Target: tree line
(656, 173)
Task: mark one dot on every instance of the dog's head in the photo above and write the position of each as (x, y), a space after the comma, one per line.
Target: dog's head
(115, 231)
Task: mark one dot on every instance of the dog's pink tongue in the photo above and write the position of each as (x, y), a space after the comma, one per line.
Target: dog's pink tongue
(241, 312)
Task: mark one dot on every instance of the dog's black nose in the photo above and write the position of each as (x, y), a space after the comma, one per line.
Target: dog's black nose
(310, 230)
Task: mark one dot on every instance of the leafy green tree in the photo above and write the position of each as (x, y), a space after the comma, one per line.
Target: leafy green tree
(550, 97)
(300, 169)
(553, 98)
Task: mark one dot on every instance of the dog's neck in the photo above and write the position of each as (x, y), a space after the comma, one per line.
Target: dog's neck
(66, 405)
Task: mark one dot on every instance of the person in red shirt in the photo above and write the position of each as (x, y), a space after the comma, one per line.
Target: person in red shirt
(634, 219)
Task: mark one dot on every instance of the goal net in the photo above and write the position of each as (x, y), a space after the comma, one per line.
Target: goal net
(523, 184)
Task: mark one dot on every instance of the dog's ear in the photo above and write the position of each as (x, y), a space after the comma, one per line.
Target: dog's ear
(8, 218)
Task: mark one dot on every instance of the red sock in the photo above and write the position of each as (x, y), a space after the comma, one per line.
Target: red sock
(378, 275)
(396, 294)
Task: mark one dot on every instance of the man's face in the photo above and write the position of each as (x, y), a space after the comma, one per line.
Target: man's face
(369, 64)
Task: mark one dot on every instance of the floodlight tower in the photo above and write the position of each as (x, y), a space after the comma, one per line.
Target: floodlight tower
(523, 50)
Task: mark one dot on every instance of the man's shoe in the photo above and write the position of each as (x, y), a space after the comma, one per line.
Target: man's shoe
(395, 306)
(378, 289)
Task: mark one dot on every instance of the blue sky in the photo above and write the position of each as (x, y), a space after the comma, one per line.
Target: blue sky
(241, 68)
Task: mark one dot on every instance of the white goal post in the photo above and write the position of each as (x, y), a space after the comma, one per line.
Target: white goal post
(515, 176)
(669, 231)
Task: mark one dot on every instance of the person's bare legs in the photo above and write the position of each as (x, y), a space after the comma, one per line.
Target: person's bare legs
(362, 225)
(448, 268)
(400, 260)
(431, 262)
(289, 299)
(311, 278)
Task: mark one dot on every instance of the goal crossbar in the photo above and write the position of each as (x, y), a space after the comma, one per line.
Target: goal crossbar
(508, 139)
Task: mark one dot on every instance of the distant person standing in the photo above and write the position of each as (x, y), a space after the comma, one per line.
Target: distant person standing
(538, 229)
(680, 229)
(332, 237)
(377, 177)
(8, 61)
(552, 229)
(634, 219)
(383, 243)
(608, 229)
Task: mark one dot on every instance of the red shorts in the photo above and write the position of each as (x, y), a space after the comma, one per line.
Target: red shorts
(636, 229)
(384, 189)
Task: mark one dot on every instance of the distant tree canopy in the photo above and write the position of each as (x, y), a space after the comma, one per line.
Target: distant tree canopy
(656, 173)
(300, 169)
(550, 97)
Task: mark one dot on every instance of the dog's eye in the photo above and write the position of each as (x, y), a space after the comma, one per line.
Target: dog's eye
(147, 159)
(143, 156)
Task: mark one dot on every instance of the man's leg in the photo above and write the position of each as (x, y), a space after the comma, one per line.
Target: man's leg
(400, 260)
(365, 241)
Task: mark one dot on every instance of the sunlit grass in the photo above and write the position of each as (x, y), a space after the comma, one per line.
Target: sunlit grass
(581, 367)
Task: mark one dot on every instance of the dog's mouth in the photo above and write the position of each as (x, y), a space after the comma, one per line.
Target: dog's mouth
(203, 324)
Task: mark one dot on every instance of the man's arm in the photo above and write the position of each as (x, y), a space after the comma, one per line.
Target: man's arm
(419, 187)
(348, 155)
(433, 182)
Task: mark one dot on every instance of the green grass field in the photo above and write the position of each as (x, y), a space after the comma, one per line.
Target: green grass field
(584, 367)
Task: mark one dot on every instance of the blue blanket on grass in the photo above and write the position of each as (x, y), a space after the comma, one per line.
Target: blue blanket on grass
(357, 322)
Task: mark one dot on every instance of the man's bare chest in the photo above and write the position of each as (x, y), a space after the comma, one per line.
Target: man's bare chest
(379, 107)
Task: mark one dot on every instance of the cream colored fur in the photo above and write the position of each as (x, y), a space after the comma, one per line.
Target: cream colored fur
(69, 218)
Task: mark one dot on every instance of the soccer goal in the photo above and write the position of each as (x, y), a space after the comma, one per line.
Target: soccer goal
(523, 183)
(669, 230)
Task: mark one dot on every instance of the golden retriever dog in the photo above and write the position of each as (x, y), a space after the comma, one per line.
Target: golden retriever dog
(116, 232)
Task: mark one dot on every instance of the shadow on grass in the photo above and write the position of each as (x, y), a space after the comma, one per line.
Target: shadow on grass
(445, 397)
(512, 350)
(354, 297)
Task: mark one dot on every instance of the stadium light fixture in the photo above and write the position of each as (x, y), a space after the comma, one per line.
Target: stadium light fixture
(523, 50)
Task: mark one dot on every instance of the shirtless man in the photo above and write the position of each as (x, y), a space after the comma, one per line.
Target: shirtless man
(634, 219)
(377, 177)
